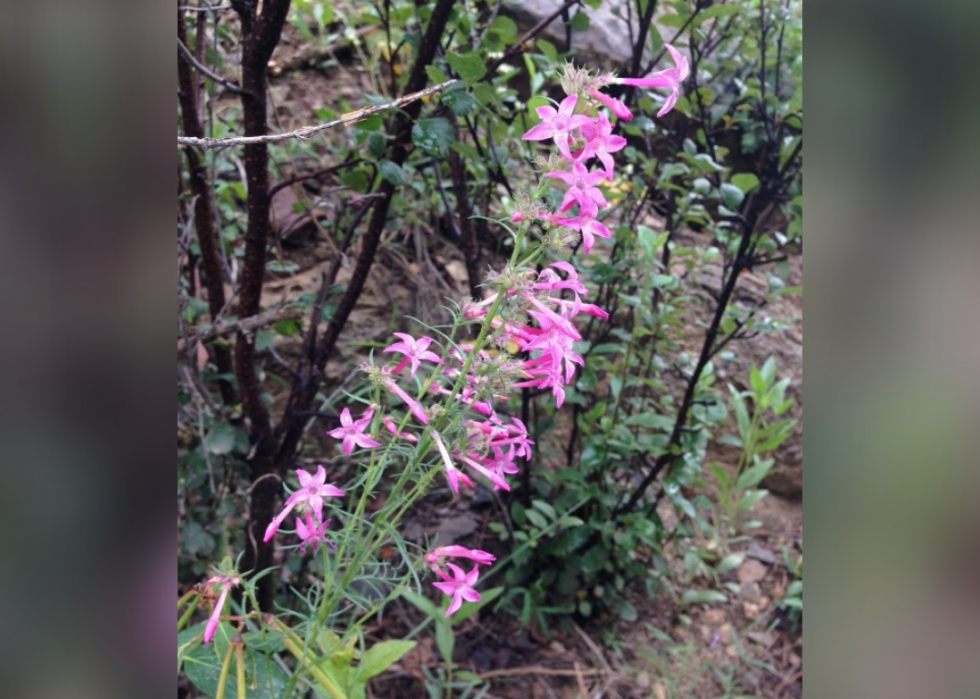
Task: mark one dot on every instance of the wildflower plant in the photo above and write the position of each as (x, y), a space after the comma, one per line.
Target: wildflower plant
(439, 402)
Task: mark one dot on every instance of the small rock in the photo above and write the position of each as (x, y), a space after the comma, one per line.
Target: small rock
(454, 529)
(731, 651)
(660, 691)
(725, 633)
(751, 591)
(751, 610)
(643, 681)
(763, 638)
(763, 602)
(794, 659)
(714, 617)
(760, 553)
(751, 571)
(558, 647)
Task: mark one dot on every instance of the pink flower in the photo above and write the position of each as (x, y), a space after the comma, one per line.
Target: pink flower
(415, 352)
(460, 587)
(311, 492)
(670, 78)
(558, 124)
(311, 532)
(453, 474)
(618, 107)
(600, 143)
(215, 618)
(434, 557)
(413, 405)
(584, 223)
(581, 188)
(352, 431)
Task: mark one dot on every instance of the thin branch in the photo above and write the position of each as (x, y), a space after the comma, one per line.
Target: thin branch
(308, 131)
(203, 70)
(245, 325)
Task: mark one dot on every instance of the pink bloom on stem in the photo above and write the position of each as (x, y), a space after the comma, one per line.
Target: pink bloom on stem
(453, 474)
(670, 78)
(215, 618)
(459, 587)
(435, 556)
(413, 405)
(311, 492)
(581, 188)
(600, 143)
(312, 533)
(415, 352)
(618, 107)
(390, 425)
(352, 431)
(585, 224)
(558, 124)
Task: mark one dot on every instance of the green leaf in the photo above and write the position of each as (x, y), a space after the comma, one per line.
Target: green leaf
(505, 26)
(423, 604)
(719, 473)
(392, 172)
(221, 438)
(729, 563)
(720, 11)
(445, 641)
(580, 22)
(731, 196)
(545, 508)
(702, 597)
(537, 519)
(745, 181)
(753, 475)
(287, 328)
(434, 136)
(593, 559)
(264, 340)
(470, 66)
(264, 679)
(383, 655)
(751, 499)
(625, 610)
(741, 413)
(436, 75)
(460, 102)
(548, 49)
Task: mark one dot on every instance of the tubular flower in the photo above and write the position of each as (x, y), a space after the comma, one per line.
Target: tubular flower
(352, 431)
(581, 189)
(226, 583)
(670, 78)
(312, 490)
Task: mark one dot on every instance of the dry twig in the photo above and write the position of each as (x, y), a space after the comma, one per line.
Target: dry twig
(308, 131)
(245, 324)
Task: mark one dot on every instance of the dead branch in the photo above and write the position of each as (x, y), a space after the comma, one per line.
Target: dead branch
(249, 324)
(308, 131)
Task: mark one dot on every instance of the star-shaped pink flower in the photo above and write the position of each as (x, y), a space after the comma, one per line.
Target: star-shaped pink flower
(581, 188)
(352, 431)
(312, 490)
(460, 587)
(311, 533)
(415, 352)
(585, 224)
(600, 142)
(557, 124)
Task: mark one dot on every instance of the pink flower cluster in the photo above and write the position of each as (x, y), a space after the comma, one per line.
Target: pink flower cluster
(580, 137)
(533, 314)
(312, 528)
(459, 585)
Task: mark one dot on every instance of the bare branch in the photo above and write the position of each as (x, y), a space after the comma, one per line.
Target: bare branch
(245, 325)
(203, 70)
(308, 131)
